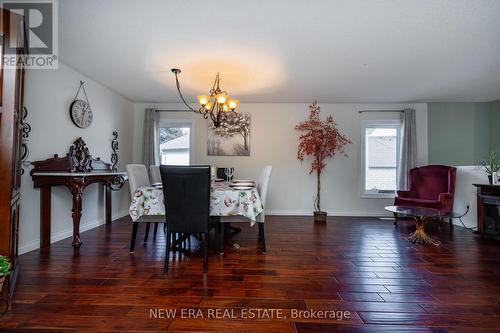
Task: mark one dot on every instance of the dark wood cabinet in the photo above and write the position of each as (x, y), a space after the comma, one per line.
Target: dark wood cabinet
(11, 108)
(488, 210)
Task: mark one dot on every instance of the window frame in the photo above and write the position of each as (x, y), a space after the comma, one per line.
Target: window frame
(177, 122)
(379, 123)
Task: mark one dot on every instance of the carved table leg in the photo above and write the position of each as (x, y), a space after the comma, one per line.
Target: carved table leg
(419, 236)
(76, 213)
(107, 189)
(45, 204)
(76, 187)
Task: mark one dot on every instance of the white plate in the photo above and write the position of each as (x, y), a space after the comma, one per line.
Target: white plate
(242, 187)
(243, 184)
(243, 181)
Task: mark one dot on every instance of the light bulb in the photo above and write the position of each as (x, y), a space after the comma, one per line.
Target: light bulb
(221, 98)
(233, 104)
(203, 99)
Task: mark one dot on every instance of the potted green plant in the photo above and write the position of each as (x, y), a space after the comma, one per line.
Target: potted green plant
(322, 140)
(490, 165)
(4, 269)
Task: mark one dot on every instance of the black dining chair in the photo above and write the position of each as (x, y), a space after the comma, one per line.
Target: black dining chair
(187, 204)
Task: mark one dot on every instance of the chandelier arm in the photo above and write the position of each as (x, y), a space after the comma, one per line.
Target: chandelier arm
(180, 94)
(215, 82)
(214, 120)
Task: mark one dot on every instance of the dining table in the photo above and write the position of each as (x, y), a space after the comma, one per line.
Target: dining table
(225, 200)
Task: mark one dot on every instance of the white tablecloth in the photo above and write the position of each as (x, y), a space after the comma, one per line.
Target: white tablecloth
(224, 201)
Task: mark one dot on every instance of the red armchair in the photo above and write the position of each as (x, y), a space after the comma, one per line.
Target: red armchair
(431, 186)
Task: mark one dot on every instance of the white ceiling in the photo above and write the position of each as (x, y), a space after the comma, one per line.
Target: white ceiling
(288, 50)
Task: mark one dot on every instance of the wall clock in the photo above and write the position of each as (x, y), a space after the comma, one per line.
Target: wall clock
(80, 111)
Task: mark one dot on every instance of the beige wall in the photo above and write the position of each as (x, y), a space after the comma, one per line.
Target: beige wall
(274, 141)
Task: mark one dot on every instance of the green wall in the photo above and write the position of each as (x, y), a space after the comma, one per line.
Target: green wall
(495, 126)
(462, 133)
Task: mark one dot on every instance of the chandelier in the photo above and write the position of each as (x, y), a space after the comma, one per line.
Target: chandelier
(216, 105)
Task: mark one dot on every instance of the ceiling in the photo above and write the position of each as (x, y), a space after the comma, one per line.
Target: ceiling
(288, 50)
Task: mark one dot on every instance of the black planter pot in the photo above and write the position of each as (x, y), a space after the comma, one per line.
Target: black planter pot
(320, 217)
(490, 178)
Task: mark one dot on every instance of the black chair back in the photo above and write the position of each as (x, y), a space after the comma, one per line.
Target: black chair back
(187, 198)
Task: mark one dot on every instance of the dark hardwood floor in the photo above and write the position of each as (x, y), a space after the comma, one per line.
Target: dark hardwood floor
(363, 266)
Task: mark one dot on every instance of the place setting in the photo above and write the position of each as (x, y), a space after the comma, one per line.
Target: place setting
(242, 184)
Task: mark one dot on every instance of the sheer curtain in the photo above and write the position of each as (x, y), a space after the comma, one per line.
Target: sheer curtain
(150, 138)
(408, 150)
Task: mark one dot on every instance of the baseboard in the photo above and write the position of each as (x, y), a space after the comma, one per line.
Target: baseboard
(68, 232)
(309, 212)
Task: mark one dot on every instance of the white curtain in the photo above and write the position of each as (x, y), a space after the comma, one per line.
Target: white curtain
(150, 138)
(408, 150)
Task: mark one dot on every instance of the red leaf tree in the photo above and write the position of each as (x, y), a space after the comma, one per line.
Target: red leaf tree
(322, 140)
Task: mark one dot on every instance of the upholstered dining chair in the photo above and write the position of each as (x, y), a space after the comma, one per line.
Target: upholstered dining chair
(154, 174)
(138, 177)
(262, 187)
(187, 204)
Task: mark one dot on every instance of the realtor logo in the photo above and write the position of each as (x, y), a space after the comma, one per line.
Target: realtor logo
(38, 45)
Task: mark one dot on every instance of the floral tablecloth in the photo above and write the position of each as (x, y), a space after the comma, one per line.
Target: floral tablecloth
(224, 201)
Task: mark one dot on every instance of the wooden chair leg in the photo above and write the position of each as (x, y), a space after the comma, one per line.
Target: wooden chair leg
(221, 238)
(167, 253)
(134, 234)
(155, 230)
(205, 252)
(262, 237)
(146, 233)
(395, 219)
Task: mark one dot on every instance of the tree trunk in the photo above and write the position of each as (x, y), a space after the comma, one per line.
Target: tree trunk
(318, 194)
(245, 141)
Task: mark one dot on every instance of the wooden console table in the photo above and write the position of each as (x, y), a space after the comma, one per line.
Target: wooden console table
(76, 171)
(488, 210)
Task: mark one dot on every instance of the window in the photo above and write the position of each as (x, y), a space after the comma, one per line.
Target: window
(175, 141)
(380, 155)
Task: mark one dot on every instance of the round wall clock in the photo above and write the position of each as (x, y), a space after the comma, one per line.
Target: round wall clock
(80, 113)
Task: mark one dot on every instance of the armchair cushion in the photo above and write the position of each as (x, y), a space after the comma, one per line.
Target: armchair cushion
(404, 194)
(399, 201)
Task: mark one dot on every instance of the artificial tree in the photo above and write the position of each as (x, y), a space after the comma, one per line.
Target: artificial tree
(322, 140)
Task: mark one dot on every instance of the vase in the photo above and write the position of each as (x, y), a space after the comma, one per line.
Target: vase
(2, 279)
(490, 179)
(320, 217)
